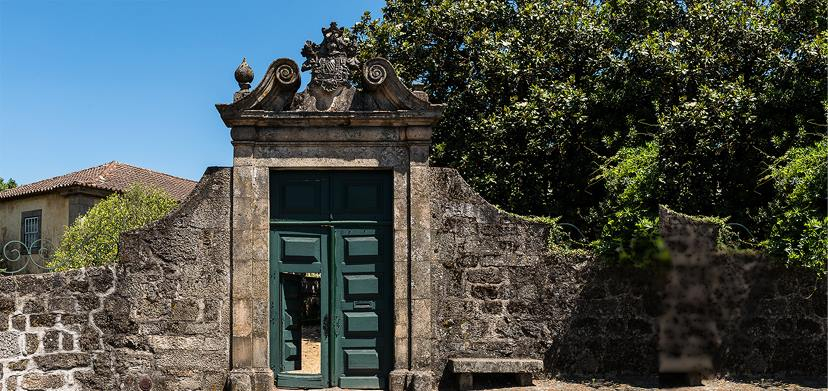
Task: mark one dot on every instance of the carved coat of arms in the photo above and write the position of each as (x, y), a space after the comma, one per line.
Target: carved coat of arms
(332, 61)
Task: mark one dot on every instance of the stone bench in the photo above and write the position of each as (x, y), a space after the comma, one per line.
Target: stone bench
(464, 368)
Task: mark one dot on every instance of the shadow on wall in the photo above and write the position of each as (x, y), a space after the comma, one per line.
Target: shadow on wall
(503, 293)
(738, 313)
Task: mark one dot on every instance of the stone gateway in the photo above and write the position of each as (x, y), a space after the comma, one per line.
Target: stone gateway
(330, 224)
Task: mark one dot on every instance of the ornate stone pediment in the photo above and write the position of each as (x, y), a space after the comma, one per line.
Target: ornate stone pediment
(332, 64)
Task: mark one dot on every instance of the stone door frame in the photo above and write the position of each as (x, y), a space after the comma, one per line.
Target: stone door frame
(374, 146)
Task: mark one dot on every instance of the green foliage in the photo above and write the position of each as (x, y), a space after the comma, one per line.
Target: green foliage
(558, 239)
(9, 184)
(799, 216)
(599, 111)
(629, 234)
(92, 240)
(631, 238)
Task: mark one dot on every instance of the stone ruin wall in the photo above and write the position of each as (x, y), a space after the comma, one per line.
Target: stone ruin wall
(161, 317)
(48, 333)
(744, 313)
(504, 293)
(158, 320)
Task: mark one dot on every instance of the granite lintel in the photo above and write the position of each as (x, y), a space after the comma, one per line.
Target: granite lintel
(265, 118)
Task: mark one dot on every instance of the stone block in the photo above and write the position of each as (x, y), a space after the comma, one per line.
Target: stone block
(32, 343)
(401, 282)
(101, 278)
(212, 310)
(191, 359)
(421, 352)
(10, 344)
(260, 352)
(88, 302)
(67, 341)
(42, 381)
(62, 304)
(11, 383)
(19, 365)
(51, 341)
(43, 320)
(422, 381)
(242, 347)
(421, 311)
(420, 279)
(78, 285)
(184, 310)
(55, 361)
(486, 275)
(495, 365)
(240, 381)
(242, 317)
(398, 380)
(242, 279)
(401, 352)
(18, 322)
(8, 285)
(89, 339)
(487, 292)
(7, 303)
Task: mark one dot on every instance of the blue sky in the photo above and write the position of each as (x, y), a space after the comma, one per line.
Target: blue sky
(87, 82)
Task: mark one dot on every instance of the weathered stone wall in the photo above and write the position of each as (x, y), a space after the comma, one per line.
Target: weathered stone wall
(158, 319)
(48, 335)
(736, 312)
(502, 293)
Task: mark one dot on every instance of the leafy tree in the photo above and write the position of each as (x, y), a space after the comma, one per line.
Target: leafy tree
(599, 111)
(9, 184)
(92, 240)
(800, 212)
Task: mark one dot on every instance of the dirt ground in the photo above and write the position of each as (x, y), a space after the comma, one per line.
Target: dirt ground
(708, 385)
(311, 350)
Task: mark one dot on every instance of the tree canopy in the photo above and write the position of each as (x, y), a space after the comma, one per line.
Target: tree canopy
(599, 111)
(9, 184)
(92, 240)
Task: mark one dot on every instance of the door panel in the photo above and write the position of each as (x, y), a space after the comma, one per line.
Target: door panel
(361, 322)
(361, 195)
(338, 225)
(361, 285)
(356, 359)
(301, 249)
(363, 300)
(298, 348)
(299, 196)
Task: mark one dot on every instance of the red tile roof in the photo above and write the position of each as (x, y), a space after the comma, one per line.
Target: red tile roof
(112, 176)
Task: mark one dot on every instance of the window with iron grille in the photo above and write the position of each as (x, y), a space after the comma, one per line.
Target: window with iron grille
(30, 223)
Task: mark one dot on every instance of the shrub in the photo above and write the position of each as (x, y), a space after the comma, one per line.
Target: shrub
(92, 240)
(798, 213)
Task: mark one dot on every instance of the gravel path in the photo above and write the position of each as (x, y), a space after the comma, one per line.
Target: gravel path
(708, 385)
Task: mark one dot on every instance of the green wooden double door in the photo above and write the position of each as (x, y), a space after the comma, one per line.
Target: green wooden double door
(331, 254)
